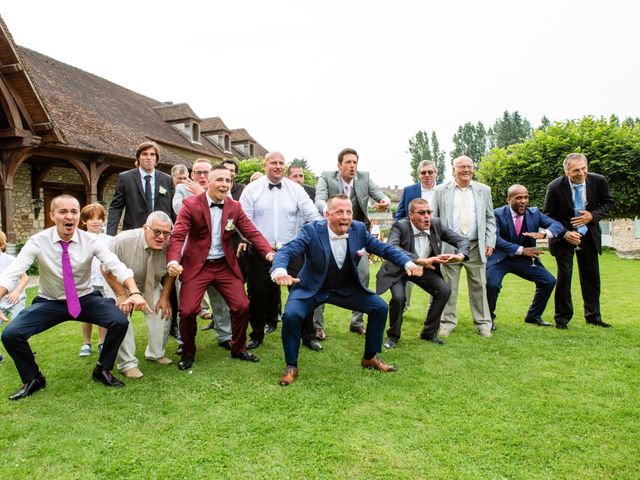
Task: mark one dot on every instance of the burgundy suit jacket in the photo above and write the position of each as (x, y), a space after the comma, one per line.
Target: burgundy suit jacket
(193, 226)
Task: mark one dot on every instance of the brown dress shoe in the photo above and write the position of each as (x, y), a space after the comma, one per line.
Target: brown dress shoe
(288, 376)
(357, 329)
(378, 364)
(320, 335)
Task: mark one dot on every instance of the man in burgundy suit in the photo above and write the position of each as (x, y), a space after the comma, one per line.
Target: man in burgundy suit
(207, 223)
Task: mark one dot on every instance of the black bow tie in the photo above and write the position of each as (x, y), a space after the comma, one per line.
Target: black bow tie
(275, 185)
(219, 205)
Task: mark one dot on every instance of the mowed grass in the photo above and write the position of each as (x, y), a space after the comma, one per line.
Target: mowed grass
(530, 403)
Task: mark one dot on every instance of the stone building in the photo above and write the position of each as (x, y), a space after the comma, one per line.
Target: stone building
(64, 130)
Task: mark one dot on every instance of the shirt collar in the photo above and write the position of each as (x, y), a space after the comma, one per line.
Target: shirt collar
(332, 234)
(463, 188)
(210, 200)
(513, 214)
(56, 238)
(144, 174)
(347, 183)
(583, 184)
(416, 231)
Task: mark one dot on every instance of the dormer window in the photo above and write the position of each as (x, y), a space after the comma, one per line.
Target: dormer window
(227, 143)
(195, 133)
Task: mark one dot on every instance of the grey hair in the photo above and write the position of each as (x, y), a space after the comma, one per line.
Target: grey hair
(571, 157)
(160, 217)
(426, 163)
(179, 170)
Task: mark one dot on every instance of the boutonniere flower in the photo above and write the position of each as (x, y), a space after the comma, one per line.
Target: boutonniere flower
(230, 226)
(361, 252)
(162, 191)
(277, 246)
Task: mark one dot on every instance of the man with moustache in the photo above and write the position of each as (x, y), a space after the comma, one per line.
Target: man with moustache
(144, 251)
(201, 251)
(465, 206)
(278, 207)
(359, 188)
(140, 191)
(517, 230)
(579, 200)
(331, 250)
(65, 256)
(420, 236)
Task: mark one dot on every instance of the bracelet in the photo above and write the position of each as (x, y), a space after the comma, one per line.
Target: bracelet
(133, 293)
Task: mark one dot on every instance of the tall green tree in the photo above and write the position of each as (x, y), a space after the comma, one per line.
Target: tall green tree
(470, 140)
(300, 162)
(437, 155)
(511, 128)
(420, 150)
(612, 149)
(544, 122)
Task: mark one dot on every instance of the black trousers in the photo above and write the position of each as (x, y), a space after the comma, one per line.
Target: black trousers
(430, 282)
(264, 295)
(589, 273)
(44, 314)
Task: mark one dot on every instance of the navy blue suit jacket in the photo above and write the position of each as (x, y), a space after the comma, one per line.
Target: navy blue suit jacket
(313, 242)
(409, 193)
(507, 242)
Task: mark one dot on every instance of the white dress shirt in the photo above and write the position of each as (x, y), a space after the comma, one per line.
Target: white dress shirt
(338, 246)
(427, 194)
(5, 261)
(45, 247)
(216, 250)
(472, 234)
(278, 212)
(421, 243)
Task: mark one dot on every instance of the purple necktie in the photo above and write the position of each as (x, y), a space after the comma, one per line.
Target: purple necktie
(70, 291)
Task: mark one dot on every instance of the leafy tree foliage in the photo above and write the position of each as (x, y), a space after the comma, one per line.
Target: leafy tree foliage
(544, 122)
(420, 149)
(251, 165)
(612, 149)
(511, 128)
(470, 140)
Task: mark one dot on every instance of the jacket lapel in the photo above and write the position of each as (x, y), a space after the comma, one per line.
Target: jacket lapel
(508, 219)
(566, 193)
(206, 210)
(138, 182)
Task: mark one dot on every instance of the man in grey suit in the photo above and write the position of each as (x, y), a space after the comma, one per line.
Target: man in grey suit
(359, 188)
(465, 207)
(420, 236)
(140, 191)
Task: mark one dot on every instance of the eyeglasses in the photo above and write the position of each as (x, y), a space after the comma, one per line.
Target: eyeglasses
(428, 172)
(201, 172)
(158, 233)
(423, 212)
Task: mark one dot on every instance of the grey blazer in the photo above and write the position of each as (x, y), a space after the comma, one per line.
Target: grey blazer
(330, 183)
(442, 205)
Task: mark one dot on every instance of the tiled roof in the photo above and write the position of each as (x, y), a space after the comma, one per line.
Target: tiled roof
(179, 111)
(213, 124)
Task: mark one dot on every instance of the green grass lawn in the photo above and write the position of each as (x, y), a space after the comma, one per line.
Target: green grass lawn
(528, 403)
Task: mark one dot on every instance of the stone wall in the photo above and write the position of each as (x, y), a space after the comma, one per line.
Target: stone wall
(25, 223)
(622, 234)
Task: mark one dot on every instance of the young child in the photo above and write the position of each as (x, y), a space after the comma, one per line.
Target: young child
(14, 302)
(93, 217)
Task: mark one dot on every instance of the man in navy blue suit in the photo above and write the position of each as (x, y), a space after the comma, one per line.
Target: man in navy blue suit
(517, 230)
(332, 249)
(427, 172)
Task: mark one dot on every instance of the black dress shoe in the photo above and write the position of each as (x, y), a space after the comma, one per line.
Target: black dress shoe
(312, 345)
(185, 362)
(561, 326)
(432, 339)
(30, 387)
(390, 343)
(226, 344)
(270, 329)
(357, 329)
(599, 323)
(101, 374)
(179, 350)
(537, 321)
(253, 344)
(246, 356)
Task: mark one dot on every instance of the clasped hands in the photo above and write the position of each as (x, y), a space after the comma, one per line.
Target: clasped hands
(442, 258)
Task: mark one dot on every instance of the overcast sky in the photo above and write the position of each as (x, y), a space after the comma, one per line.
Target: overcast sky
(310, 78)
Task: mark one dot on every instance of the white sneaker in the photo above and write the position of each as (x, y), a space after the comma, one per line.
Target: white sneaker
(85, 350)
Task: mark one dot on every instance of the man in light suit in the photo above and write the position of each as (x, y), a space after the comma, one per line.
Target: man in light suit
(331, 249)
(207, 223)
(517, 230)
(578, 200)
(347, 180)
(140, 191)
(427, 172)
(420, 236)
(465, 207)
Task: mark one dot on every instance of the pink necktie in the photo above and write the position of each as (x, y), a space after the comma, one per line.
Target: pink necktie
(70, 291)
(518, 224)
